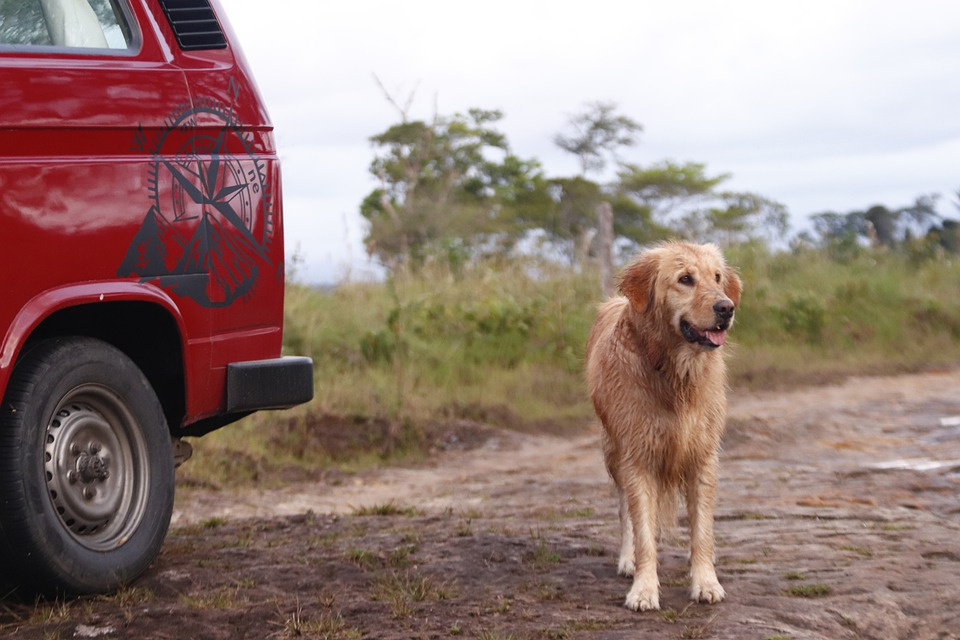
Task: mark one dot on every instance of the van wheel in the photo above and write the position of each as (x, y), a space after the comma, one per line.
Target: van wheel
(86, 469)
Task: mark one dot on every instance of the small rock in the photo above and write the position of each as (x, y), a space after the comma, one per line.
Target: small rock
(89, 631)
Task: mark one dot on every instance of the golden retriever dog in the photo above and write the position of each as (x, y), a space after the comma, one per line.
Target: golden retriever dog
(657, 378)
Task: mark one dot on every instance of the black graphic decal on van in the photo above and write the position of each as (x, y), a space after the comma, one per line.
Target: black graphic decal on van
(209, 228)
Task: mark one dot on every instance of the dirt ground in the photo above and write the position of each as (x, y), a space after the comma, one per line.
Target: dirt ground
(838, 517)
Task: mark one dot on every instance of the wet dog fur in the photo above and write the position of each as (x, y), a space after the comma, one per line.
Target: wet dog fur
(657, 379)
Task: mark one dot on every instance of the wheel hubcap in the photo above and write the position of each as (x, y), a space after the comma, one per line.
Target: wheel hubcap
(93, 459)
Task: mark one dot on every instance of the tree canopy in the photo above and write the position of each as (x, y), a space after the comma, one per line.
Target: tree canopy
(880, 226)
(450, 181)
(453, 186)
(598, 131)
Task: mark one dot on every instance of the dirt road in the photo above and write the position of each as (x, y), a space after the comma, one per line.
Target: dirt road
(838, 517)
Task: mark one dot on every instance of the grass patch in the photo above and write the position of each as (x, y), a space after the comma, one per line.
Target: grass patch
(544, 590)
(751, 515)
(676, 581)
(128, 599)
(897, 527)
(222, 598)
(589, 624)
(493, 344)
(363, 558)
(672, 615)
(860, 551)
(213, 523)
(697, 631)
(542, 557)
(464, 529)
(404, 590)
(329, 625)
(46, 612)
(386, 509)
(497, 635)
(399, 558)
(815, 590)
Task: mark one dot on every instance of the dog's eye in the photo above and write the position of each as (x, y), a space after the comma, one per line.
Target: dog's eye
(686, 279)
(718, 277)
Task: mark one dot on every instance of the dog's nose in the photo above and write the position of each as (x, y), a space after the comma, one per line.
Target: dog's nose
(724, 309)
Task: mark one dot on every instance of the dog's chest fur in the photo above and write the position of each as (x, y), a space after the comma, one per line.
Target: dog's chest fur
(672, 404)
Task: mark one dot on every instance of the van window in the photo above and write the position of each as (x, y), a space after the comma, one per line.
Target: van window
(83, 24)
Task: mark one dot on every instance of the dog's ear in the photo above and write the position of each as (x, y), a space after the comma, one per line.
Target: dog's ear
(734, 286)
(638, 282)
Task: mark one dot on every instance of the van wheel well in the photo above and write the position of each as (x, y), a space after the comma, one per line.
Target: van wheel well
(146, 333)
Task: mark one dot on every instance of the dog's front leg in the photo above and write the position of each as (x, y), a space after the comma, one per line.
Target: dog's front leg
(701, 493)
(641, 500)
(626, 566)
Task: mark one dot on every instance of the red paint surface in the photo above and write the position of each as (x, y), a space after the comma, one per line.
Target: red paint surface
(85, 142)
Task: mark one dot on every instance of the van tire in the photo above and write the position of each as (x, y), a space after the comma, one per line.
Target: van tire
(86, 470)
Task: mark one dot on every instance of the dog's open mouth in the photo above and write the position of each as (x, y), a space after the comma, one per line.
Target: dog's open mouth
(711, 338)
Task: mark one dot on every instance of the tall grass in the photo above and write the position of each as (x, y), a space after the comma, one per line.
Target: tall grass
(806, 317)
(504, 344)
(444, 345)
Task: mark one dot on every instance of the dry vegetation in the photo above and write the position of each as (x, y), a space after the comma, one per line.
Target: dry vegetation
(398, 363)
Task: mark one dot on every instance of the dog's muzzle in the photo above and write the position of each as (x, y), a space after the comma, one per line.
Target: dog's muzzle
(715, 336)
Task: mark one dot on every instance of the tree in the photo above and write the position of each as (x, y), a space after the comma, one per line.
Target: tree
(948, 235)
(830, 225)
(666, 186)
(669, 198)
(943, 234)
(521, 201)
(922, 214)
(597, 131)
(449, 181)
(452, 186)
(738, 217)
(879, 225)
(571, 223)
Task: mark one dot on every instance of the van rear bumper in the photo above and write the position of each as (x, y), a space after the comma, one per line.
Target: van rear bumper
(278, 383)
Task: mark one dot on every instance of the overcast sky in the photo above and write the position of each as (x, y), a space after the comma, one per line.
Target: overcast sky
(820, 105)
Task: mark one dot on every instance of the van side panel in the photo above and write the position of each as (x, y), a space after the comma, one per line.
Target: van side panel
(156, 168)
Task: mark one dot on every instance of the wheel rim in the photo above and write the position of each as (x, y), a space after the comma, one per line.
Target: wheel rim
(96, 464)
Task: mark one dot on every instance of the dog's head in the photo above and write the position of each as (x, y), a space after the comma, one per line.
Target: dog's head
(688, 287)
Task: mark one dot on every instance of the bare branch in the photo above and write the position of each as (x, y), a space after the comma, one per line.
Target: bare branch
(405, 109)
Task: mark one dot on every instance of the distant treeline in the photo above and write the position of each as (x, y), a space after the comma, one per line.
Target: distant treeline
(451, 190)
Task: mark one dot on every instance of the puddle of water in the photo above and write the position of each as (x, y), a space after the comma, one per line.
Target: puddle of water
(949, 431)
(917, 464)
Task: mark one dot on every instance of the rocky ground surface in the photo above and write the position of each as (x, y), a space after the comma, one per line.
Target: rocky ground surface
(838, 517)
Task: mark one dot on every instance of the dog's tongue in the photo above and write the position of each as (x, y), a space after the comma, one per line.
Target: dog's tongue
(717, 337)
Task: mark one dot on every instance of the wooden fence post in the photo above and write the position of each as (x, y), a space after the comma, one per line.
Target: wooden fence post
(605, 220)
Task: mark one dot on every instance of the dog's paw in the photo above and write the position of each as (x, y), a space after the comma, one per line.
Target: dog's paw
(626, 567)
(643, 597)
(708, 591)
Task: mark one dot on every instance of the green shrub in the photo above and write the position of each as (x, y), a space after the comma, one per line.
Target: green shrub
(507, 340)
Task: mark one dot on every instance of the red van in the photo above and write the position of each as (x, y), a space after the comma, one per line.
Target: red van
(141, 274)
